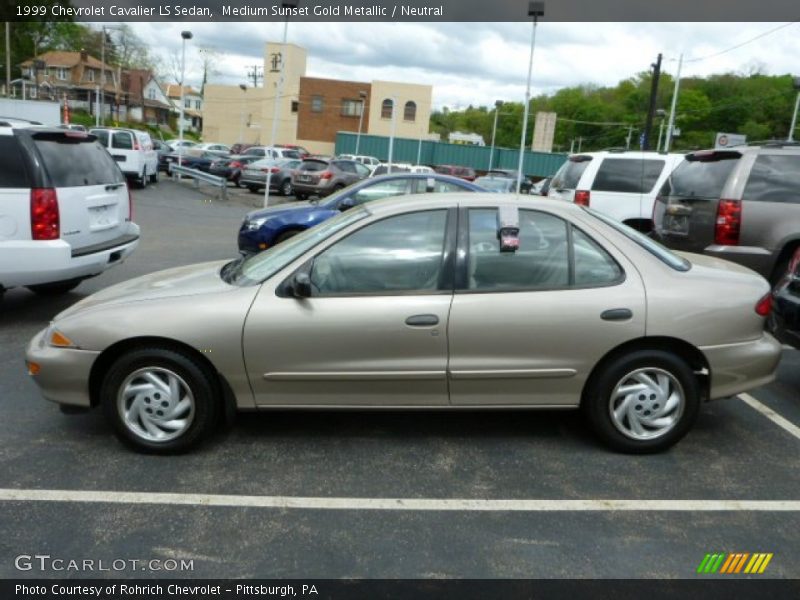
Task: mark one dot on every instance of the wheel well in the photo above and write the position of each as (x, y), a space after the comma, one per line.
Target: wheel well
(784, 257)
(113, 352)
(693, 357)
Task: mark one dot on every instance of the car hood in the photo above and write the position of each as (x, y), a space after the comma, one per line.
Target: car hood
(189, 280)
(286, 209)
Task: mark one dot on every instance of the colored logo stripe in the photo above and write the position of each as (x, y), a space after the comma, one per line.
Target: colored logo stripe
(732, 563)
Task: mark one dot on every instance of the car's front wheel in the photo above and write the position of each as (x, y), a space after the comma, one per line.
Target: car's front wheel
(643, 402)
(160, 400)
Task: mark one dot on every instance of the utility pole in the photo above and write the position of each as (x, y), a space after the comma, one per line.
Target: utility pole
(651, 109)
(673, 108)
(255, 74)
(628, 139)
(8, 59)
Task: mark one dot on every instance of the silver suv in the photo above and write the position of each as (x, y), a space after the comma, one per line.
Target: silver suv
(741, 204)
(65, 210)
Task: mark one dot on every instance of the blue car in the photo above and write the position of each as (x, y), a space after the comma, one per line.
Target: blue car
(267, 227)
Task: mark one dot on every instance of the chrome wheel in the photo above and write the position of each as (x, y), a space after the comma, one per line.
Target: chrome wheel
(156, 404)
(647, 403)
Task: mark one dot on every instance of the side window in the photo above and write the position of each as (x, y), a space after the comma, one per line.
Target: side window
(542, 261)
(569, 175)
(774, 179)
(593, 265)
(102, 136)
(397, 255)
(122, 140)
(385, 189)
(362, 171)
(439, 187)
(345, 166)
(626, 175)
(12, 168)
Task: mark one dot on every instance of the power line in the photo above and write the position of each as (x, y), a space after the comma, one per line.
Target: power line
(739, 45)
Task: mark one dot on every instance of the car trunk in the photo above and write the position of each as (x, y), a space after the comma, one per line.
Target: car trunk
(93, 202)
(685, 211)
(310, 171)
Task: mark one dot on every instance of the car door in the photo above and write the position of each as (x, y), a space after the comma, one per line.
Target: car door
(526, 328)
(374, 330)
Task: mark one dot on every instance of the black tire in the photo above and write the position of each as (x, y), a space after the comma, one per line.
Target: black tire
(301, 196)
(597, 398)
(286, 235)
(200, 382)
(154, 177)
(286, 187)
(236, 181)
(56, 288)
(141, 182)
(253, 189)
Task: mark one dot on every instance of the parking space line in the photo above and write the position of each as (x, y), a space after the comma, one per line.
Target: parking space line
(771, 415)
(398, 504)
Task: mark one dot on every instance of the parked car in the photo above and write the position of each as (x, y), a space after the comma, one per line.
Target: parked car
(619, 183)
(502, 185)
(175, 144)
(404, 304)
(254, 175)
(231, 167)
(267, 227)
(785, 318)
(316, 177)
(525, 185)
(741, 204)
(542, 188)
(218, 149)
(368, 161)
(66, 212)
(201, 163)
(237, 149)
(457, 171)
(73, 127)
(133, 150)
(383, 169)
(299, 149)
(271, 152)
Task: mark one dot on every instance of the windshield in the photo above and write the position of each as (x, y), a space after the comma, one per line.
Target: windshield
(499, 184)
(264, 265)
(653, 247)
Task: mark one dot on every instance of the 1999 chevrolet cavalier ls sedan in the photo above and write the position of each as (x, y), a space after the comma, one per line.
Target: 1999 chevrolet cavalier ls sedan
(425, 302)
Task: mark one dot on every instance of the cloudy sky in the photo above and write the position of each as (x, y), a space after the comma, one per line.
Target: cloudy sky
(478, 63)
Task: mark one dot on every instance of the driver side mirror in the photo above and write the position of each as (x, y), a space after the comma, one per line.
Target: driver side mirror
(347, 204)
(301, 285)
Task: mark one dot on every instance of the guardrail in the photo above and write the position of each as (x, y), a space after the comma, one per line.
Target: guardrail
(198, 176)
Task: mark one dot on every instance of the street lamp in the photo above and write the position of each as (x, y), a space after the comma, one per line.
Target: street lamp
(796, 85)
(392, 132)
(497, 105)
(278, 92)
(535, 10)
(673, 108)
(242, 87)
(661, 113)
(363, 95)
(186, 35)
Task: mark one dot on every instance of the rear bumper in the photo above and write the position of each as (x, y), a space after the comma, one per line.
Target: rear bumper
(737, 368)
(274, 182)
(28, 262)
(312, 190)
(63, 375)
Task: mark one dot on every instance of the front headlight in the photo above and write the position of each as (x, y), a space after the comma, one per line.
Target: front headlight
(53, 337)
(256, 223)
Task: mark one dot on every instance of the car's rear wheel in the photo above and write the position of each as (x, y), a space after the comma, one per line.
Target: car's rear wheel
(286, 187)
(253, 189)
(159, 400)
(56, 288)
(142, 180)
(643, 402)
(154, 177)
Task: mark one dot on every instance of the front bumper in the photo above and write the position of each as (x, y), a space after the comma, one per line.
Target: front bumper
(63, 375)
(737, 368)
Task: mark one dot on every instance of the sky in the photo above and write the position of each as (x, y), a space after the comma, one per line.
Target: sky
(478, 63)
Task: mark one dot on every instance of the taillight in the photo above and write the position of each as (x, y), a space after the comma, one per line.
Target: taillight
(45, 221)
(764, 306)
(326, 175)
(582, 197)
(236, 165)
(136, 144)
(729, 223)
(130, 205)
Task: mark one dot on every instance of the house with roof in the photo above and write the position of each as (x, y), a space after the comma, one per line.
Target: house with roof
(192, 106)
(147, 101)
(75, 76)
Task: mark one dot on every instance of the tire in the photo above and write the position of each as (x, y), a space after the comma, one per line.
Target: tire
(140, 367)
(300, 196)
(286, 235)
(154, 177)
(56, 288)
(141, 182)
(286, 187)
(253, 189)
(236, 182)
(671, 373)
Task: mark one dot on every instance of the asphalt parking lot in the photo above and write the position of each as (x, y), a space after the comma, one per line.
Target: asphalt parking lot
(382, 495)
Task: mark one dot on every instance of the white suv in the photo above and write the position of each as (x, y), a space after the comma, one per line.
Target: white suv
(65, 210)
(133, 150)
(619, 183)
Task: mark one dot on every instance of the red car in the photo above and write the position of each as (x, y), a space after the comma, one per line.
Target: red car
(456, 171)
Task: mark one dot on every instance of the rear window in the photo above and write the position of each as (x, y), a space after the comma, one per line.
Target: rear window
(701, 176)
(12, 164)
(76, 161)
(627, 175)
(122, 140)
(774, 178)
(313, 165)
(569, 175)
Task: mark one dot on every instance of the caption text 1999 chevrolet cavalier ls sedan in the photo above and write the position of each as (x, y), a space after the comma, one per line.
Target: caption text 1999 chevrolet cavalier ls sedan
(446, 301)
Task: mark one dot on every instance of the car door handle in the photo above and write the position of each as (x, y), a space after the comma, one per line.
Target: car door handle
(617, 314)
(422, 320)
(113, 186)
